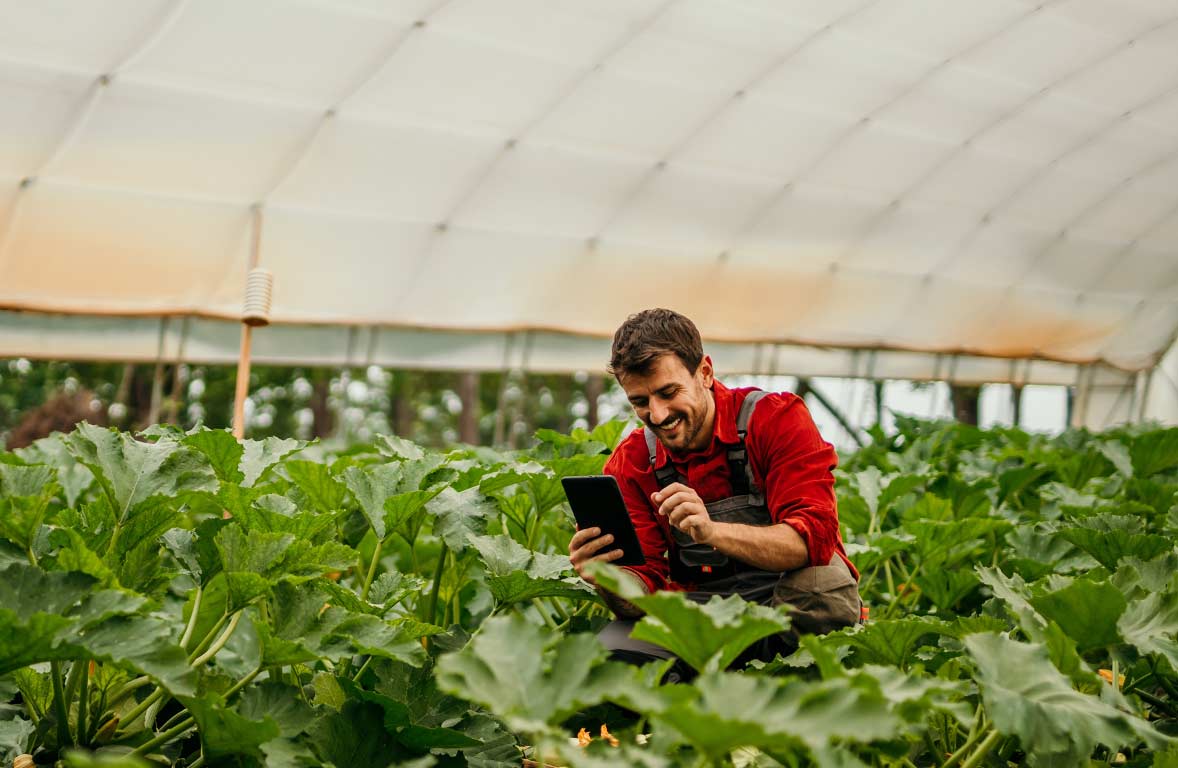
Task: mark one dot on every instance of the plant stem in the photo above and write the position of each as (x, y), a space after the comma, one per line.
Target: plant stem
(59, 705)
(191, 627)
(1154, 701)
(217, 646)
(431, 610)
(71, 683)
(888, 574)
(198, 762)
(208, 638)
(371, 570)
(83, 699)
(547, 619)
(1162, 680)
(164, 737)
(362, 670)
(142, 706)
(560, 611)
(975, 734)
(243, 682)
(983, 749)
(129, 688)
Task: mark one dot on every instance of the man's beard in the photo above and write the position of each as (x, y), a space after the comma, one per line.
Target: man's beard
(684, 435)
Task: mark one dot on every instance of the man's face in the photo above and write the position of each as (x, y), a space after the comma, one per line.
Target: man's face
(676, 405)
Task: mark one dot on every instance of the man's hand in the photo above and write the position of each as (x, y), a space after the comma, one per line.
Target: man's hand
(586, 547)
(685, 510)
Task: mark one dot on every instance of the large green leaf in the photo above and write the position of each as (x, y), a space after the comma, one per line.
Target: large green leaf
(142, 643)
(1013, 591)
(53, 616)
(260, 456)
(398, 721)
(1087, 611)
(732, 710)
(458, 515)
(278, 514)
(1109, 538)
(281, 703)
(1136, 577)
(1027, 697)
(355, 737)
(73, 476)
(888, 641)
(345, 634)
(224, 732)
(251, 561)
(946, 543)
(1151, 625)
(15, 737)
(372, 486)
(130, 472)
(22, 514)
(222, 450)
(527, 676)
(1154, 452)
(319, 489)
(398, 448)
(946, 588)
(707, 636)
(516, 574)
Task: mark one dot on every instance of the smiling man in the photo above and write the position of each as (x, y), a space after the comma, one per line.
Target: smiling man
(731, 491)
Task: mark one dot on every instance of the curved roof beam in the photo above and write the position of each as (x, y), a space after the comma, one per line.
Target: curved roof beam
(382, 61)
(303, 150)
(764, 74)
(1155, 163)
(1005, 118)
(632, 33)
(763, 211)
(1163, 287)
(875, 222)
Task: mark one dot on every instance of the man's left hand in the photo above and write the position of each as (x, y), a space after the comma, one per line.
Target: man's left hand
(685, 510)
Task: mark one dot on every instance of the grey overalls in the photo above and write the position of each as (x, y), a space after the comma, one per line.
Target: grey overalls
(824, 597)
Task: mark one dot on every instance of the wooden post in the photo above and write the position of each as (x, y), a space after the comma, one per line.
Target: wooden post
(258, 288)
(243, 381)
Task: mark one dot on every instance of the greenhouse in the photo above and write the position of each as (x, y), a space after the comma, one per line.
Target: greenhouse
(308, 309)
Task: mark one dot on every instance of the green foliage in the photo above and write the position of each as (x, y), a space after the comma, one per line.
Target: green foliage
(398, 605)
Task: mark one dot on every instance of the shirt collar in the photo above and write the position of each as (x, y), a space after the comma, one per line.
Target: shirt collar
(723, 428)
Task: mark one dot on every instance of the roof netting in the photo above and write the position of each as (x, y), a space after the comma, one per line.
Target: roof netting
(990, 179)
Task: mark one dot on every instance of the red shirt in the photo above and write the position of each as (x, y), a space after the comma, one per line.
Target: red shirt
(791, 463)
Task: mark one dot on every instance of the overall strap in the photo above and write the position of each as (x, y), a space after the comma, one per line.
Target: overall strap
(666, 474)
(740, 474)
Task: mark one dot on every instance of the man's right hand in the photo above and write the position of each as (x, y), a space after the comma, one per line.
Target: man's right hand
(589, 546)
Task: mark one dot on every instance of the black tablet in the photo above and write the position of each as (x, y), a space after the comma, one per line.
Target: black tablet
(597, 503)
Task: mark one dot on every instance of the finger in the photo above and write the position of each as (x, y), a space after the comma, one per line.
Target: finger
(607, 557)
(582, 536)
(585, 551)
(686, 496)
(666, 492)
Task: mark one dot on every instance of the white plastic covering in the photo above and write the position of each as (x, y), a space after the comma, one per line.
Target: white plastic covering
(959, 180)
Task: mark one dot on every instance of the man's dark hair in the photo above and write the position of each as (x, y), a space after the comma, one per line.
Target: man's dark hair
(648, 335)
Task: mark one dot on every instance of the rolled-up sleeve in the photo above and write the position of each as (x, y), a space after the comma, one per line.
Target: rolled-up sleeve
(797, 472)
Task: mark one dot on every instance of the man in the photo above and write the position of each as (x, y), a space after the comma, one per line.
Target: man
(730, 491)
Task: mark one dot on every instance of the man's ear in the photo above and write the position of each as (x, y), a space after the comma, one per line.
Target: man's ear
(704, 371)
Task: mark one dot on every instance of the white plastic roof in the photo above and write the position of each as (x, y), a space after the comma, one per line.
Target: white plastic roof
(947, 183)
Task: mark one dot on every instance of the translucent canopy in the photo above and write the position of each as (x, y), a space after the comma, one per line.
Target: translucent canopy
(948, 183)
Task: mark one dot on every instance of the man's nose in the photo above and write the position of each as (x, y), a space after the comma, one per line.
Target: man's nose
(658, 412)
